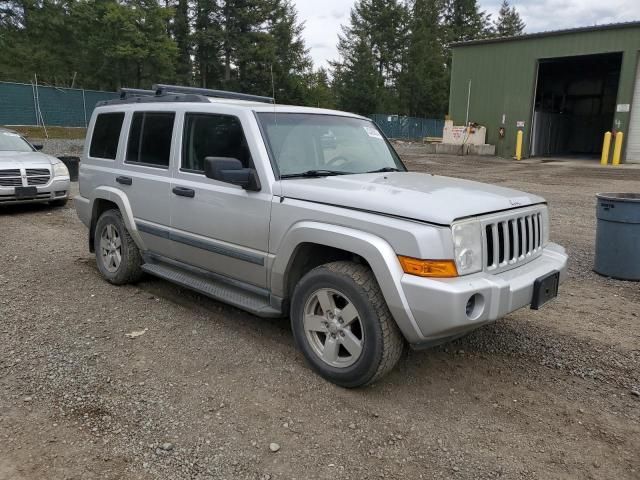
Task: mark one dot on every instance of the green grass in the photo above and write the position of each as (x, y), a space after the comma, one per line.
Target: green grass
(66, 133)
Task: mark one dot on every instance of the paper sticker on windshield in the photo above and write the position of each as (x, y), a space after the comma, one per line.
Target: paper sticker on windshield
(372, 132)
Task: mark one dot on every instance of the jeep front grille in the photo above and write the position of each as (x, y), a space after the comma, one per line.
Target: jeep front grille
(513, 240)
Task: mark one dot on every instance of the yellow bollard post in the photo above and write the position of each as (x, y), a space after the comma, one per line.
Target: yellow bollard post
(606, 146)
(617, 149)
(519, 145)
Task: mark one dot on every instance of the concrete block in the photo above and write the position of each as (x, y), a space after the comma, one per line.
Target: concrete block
(486, 149)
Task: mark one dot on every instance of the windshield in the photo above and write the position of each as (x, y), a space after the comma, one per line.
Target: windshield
(326, 144)
(13, 142)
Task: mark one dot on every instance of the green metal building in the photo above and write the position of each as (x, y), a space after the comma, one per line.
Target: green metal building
(564, 89)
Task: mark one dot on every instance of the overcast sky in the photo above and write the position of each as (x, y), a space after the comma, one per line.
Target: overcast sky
(323, 18)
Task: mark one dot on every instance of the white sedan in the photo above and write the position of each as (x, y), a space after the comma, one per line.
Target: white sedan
(27, 175)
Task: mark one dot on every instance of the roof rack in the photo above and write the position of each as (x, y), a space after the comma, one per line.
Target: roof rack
(135, 92)
(162, 89)
(177, 93)
(125, 99)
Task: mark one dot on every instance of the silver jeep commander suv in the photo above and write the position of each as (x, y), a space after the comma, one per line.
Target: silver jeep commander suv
(310, 213)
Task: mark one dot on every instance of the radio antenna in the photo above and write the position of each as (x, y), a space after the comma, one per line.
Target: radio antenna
(273, 93)
(273, 85)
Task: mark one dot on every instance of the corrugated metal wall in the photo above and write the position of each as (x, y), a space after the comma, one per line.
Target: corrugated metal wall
(503, 77)
(67, 107)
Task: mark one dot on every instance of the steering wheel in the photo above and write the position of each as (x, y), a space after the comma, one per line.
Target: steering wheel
(337, 161)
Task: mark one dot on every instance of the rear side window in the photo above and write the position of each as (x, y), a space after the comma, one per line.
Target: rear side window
(150, 138)
(106, 133)
(207, 135)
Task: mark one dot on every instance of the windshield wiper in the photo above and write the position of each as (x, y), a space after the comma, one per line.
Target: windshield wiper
(386, 169)
(314, 174)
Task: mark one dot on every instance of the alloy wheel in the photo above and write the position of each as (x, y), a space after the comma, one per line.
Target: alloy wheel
(333, 328)
(111, 248)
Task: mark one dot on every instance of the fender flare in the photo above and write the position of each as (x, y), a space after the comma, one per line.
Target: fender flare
(375, 250)
(120, 199)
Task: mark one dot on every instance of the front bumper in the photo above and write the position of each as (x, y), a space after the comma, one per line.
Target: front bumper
(56, 189)
(439, 306)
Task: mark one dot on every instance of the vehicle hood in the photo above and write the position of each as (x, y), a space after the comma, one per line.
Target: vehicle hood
(418, 196)
(25, 160)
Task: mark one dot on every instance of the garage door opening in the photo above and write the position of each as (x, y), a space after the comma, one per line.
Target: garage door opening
(575, 104)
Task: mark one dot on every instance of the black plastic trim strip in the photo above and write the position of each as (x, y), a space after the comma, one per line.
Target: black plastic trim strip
(201, 244)
(151, 230)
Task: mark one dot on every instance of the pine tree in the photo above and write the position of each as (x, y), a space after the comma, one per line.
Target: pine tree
(207, 38)
(320, 93)
(239, 45)
(38, 38)
(509, 23)
(356, 79)
(252, 46)
(424, 79)
(182, 35)
(465, 21)
(123, 44)
(372, 50)
(291, 63)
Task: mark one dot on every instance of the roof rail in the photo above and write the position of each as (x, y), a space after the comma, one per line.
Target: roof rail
(179, 97)
(162, 89)
(135, 92)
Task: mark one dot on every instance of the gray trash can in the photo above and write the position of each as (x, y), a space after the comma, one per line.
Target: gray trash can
(618, 235)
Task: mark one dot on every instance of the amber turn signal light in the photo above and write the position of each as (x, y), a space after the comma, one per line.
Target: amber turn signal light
(428, 268)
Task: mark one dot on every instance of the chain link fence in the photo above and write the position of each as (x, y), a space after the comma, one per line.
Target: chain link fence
(408, 128)
(28, 104)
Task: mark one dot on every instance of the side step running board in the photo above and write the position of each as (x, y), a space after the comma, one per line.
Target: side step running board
(218, 290)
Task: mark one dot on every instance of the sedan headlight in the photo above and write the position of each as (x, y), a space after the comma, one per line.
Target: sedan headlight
(60, 170)
(467, 243)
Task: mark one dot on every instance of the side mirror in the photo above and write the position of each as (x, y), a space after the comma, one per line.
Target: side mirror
(38, 146)
(230, 170)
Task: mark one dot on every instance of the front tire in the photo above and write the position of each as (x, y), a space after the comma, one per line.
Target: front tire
(343, 326)
(117, 255)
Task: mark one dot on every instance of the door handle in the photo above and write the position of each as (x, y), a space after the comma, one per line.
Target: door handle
(124, 180)
(184, 192)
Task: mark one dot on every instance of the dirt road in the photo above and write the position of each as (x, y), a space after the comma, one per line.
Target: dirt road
(206, 389)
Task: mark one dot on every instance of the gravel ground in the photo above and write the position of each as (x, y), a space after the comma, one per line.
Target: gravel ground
(210, 392)
(58, 147)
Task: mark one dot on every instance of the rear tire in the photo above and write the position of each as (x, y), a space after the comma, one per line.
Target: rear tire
(343, 326)
(117, 255)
